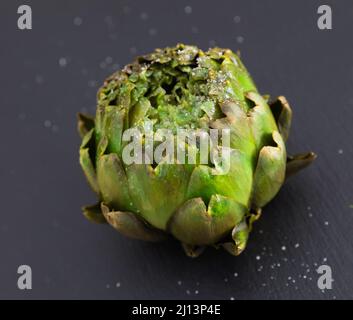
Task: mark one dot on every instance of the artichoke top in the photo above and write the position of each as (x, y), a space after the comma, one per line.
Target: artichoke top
(179, 87)
(176, 88)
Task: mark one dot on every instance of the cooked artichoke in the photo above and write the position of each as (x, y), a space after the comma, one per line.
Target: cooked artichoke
(186, 88)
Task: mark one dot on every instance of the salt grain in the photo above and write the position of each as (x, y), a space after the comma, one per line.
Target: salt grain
(152, 32)
(188, 10)
(77, 21)
(236, 19)
(240, 39)
(144, 16)
(62, 62)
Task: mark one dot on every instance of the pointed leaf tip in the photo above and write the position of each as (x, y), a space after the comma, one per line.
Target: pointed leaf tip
(298, 162)
(131, 225)
(282, 113)
(84, 124)
(94, 213)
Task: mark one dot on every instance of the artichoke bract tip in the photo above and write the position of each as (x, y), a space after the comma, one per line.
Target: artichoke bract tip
(183, 144)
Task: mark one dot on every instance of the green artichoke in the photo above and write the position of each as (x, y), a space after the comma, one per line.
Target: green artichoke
(184, 87)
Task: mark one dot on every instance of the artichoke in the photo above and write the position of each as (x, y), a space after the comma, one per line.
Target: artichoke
(185, 87)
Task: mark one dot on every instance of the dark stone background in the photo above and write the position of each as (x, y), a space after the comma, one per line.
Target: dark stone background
(50, 73)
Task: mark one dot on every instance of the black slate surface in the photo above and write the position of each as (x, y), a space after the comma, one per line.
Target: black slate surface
(52, 71)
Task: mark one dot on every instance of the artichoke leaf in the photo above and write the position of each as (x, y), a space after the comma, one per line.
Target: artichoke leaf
(86, 160)
(270, 172)
(253, 217)
(113, 182)
(94, 213)
(261, 119)
(298, 162)
(110, 124)
(236, 120)
(195, 224)
(235, 184)
(239, 79)
(131, 225)
(193, 251)
(84, 124)
(283, 116)
(157, 192)
(240, 235)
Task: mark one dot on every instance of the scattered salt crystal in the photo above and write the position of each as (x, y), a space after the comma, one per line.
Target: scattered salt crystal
(240, 39)
(194, 30)
(126, 9)
(62, 62)
(188, 10)
(77, 21)
(39, 79)
(236, 19)
(144, 15)
(152, 32)
(92, 83)
(55, 128)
